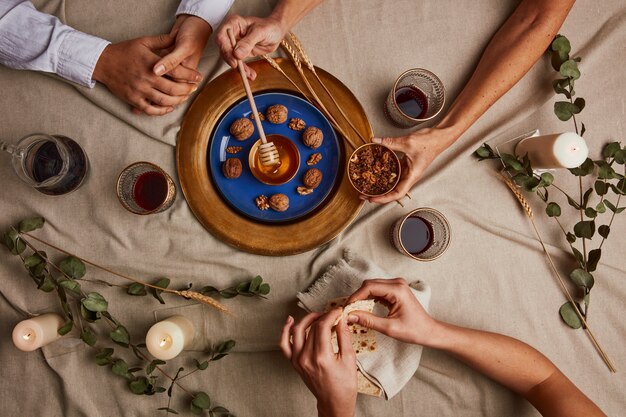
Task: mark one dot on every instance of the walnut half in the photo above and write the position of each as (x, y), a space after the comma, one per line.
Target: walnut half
(262, 202)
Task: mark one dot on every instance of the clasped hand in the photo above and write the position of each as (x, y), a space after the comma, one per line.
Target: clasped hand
(154, 74)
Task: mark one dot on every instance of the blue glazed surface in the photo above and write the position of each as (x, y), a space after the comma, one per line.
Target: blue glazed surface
(241, 192)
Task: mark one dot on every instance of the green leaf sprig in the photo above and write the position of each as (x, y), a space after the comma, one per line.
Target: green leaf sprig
(67, 279)
(609, 186)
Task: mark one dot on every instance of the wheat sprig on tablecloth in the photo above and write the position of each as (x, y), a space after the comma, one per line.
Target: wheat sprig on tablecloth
(201, 298)
(529, 212)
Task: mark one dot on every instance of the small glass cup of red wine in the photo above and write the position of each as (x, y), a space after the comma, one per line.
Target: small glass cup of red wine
(423, 234)
(144, 188)
(417, 96)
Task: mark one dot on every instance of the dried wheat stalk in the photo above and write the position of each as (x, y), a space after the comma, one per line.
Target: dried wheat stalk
(201, 298)
(296, 60)
(529, 212)
(296, 42)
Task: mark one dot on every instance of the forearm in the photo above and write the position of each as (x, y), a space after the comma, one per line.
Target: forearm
(290, 12)
(513, 50)
(507, 361)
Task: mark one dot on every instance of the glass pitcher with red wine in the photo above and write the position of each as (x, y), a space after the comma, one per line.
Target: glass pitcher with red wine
(52, 164)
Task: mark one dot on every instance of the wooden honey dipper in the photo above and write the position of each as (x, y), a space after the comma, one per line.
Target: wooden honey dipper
(268, 154)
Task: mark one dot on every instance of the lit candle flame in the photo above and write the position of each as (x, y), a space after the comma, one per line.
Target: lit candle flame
(163, 342)
(27, 336)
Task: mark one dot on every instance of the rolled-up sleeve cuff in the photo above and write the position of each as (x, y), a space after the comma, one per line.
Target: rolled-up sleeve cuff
(212, 11)
(78, 55)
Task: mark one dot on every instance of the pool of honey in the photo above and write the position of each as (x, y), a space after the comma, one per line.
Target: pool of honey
(276, 174)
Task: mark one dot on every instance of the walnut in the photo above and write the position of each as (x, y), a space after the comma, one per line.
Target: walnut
(304, 190)
(279, 202)
(312, 137)
(262, 202)
(314, 159)
(296, 124)
(312, 178)
(368, 176)
(261, 116)
(234, 149)
(276, 114)
(232, 168)
(242, 129)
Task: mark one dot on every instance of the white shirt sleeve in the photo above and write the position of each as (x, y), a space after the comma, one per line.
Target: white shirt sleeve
(213, 11)
(37, 41)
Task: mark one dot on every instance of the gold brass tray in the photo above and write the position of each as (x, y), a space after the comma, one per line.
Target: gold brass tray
(324, 224)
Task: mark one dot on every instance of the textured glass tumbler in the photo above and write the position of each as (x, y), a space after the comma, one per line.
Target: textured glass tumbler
(144, 188)
(428, 84)
(438, 240)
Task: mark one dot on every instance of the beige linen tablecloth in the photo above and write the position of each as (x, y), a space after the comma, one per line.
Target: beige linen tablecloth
(493, 277)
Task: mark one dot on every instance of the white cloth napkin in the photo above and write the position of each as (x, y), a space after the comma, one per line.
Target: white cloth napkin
(393, 363)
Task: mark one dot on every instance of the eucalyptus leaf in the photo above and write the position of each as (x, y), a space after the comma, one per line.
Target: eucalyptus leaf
(560, 86)
(571, 238)
(604, 231)
(601, 187)
(584, 169)
(88, 337)
(201, 365)
(71, 285)
(228, 293)
(255, 283)
(88, 315)
(553, 210)
(73, 267)
(34, 260)
(611, 149)
(620, 156)
(139, 385)
(162, 283)
(95, 302)
(201, 400)
(605, 171)
(581, 278)
(120, 368)
(120, 336)
(196, 410)
(569, 316)
(226, 346)
(264, 289)
(48, 284)
(66, 328)
(28, 225)
(546, 179)
(585, 228)
(610, 206)
(580, 103)
(592, 261)
(136, 289)
(586, 197)
(570, 69)
(583, 129)
(153, 364)
(564, 110)
(13, 241)
(600, 208)
(562, 46)
(103, 357)
(510, 161)
(578, 256)
(591, 213)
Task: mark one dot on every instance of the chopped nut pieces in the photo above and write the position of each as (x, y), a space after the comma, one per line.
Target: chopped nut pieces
(279, 202)
(312, 137)
(312, 178)
(233, 149)
(242, 129)
(314, 159)
(304, 190)
(276, 114)
(373, 170)
(296, 124)
(261, 116)
(262, 202)
(232, 168)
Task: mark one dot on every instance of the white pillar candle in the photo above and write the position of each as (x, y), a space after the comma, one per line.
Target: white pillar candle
(36, 332)
(560, 150)
(167, 338)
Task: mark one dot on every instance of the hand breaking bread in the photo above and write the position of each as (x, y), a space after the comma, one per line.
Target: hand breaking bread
(363, 339)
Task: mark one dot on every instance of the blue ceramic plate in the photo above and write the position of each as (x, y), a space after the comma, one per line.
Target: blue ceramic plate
(241, 192)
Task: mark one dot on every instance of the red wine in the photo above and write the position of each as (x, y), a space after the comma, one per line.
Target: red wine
(150, 190)
(416, 235)
(47, 162)
(412, 101)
